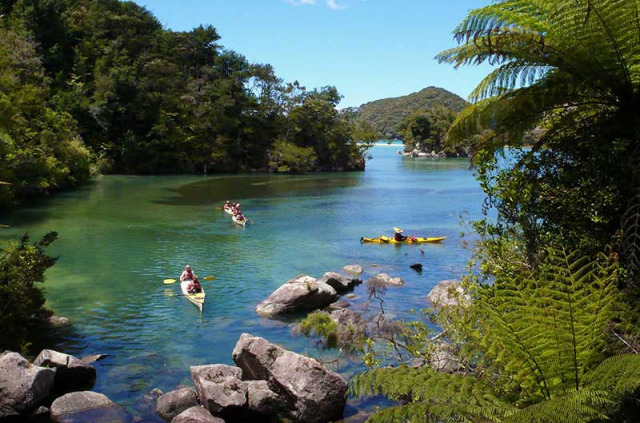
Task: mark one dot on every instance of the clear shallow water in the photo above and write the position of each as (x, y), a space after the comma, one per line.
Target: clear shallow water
(122, 235)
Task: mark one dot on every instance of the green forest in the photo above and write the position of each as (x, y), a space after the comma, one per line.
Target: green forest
(90, 87)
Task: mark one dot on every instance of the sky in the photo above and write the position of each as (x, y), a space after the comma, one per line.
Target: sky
(368, 49)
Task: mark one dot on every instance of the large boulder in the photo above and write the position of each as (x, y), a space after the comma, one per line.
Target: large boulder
(353, 269)
(448, 293)
(299, 294)
(196, 414)
(71, 372)
(383, 279)
(220, 387)
(340, 283)
(78, 402)
(172, 403)
(23, 386)
(261, 399)
(312, 393)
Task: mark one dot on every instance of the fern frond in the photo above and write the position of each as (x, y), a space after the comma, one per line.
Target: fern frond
(618, 375)
(631, 236)
(593, 44)
(576, 407)
(429, 394)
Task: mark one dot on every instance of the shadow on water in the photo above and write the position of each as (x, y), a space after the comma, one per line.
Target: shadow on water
(221, 188)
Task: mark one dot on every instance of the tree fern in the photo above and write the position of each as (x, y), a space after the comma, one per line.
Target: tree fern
(581, 55)
(536, 351)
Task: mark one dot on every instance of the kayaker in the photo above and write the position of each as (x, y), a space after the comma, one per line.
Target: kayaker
(187, 274)
(194, 287)
(398, 235)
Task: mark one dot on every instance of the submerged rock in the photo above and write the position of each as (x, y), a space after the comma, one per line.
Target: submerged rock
(311, 392)
(385, 280)
(220, 387)
(71, 372)
(23, 386)
(299, 294)
(196, 414)
(353, 269)
(172, 403)
(76, 402)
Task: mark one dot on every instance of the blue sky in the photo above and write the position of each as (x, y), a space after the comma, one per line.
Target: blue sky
(368, 49)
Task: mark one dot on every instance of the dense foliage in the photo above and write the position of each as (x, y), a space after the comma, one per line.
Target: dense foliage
(22, 267)
(570, 69)
(529, 347)
(426, 130)
(387, 115)
(101, 82)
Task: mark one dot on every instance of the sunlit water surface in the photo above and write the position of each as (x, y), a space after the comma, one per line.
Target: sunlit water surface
(122, 235)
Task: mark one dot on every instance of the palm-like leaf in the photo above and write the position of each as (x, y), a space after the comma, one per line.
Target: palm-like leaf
(582, 55)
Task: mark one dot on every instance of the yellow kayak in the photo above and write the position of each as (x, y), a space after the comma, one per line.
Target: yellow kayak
(410, 240)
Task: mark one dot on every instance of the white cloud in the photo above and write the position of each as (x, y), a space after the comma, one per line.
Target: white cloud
(333, 4)
(300, 2)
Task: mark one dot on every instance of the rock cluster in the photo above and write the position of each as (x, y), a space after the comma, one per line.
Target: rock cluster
(26, 387)
(269, 382)
(305, 293)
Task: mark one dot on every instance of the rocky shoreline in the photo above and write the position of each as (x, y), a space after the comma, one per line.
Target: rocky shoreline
(267, 383)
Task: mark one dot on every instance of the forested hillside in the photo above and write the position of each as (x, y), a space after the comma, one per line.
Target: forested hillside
(387, 115)
(100, 86)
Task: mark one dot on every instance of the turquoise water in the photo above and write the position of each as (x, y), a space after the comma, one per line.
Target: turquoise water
(122, 235)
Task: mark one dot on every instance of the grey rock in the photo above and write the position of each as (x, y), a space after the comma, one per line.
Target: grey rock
(71, 372)
(88, 359)
(219, 387)
(311, 392)
(172, 403)
(261, 399)
(448, 293)
(340, 283)
(299, 294)
(76, 402)
(443, 359)
(353, 269)
(196, 414)
(347, 317)
(57, 321)
(385, 280)
(23, 386)
(338, 305)
(40, 411)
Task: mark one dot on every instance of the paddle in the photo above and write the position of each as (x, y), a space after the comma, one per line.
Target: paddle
(206, 278)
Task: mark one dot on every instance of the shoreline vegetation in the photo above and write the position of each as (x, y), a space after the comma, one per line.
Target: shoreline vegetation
(544, 326)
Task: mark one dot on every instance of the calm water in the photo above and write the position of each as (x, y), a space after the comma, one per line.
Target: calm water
(122, 235)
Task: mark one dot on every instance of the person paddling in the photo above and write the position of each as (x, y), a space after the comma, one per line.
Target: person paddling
(187, 274)
(398, 235)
